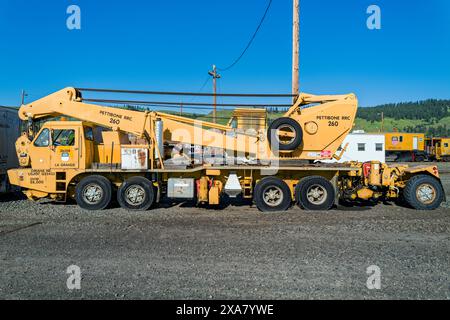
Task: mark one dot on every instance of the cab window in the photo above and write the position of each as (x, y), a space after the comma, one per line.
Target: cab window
(44, 139)
(63, 138)
(234, 123)
(89, 133)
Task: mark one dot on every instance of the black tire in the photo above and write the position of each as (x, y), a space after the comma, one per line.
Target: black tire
(416, 193)
(325, 193)
(276, 187)
(136, 194)
(287, 123)
(93, 193)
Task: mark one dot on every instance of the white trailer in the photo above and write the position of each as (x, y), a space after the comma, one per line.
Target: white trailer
(363, 147)
(9, 132)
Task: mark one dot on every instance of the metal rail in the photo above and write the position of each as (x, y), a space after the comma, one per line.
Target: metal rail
(178, 104)
(254, 95)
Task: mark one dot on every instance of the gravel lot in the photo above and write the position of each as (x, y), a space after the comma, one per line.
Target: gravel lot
(181, 252)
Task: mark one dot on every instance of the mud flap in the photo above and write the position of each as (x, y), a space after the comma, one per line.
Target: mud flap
(334, 182)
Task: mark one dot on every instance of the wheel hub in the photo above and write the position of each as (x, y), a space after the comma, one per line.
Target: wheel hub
(316, 194)
(93, 193)
(426, 193)
(273, 196)
(135, 195)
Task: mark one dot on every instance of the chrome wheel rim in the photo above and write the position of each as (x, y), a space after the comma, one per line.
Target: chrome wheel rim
(92, 193)
(316, 194)
(273, 196)
(426, 193)
(135, 195)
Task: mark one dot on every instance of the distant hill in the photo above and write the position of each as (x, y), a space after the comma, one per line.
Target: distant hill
(431, 117)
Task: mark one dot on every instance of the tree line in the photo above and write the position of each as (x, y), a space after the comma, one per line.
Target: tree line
(430, 112)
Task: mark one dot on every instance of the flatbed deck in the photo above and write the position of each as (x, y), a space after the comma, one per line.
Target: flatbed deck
(303, 167)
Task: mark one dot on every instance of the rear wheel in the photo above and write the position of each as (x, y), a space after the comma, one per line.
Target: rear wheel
(272, 194)
(423, 192)
(420, 158)
(315, 193)
(93, 193)
(136, 193)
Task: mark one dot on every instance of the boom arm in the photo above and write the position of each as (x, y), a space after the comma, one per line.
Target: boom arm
(67, 102)
(324, 127)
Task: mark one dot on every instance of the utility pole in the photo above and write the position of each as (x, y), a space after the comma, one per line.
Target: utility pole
(215, 76)
(296, 49)
(24, 94)
(382, 121)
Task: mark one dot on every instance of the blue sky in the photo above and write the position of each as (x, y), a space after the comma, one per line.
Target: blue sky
(170, 45)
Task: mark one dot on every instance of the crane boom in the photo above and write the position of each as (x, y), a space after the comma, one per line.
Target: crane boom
(315, 133)
(68, 103)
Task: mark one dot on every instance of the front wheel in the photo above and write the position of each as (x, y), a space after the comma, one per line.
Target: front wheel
(93, 193)
(423, 192)
(136, 193)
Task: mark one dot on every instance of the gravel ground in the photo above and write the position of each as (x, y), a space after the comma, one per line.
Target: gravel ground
(181, 252)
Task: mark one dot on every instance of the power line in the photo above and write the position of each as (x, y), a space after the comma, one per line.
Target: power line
(176, 104)
(201, 88)
(204, 84)
(251, 40)
(261, 95)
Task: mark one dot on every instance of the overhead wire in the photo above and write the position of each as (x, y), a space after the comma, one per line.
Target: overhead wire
(176, 104)
(173, 93)
(251, 40)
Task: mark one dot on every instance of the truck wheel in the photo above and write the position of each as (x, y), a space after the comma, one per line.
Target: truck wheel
(93, 193)
(315, 193)
(285, 125)
(420, 159)
(272, 194)
(423, 192)
(136, 193)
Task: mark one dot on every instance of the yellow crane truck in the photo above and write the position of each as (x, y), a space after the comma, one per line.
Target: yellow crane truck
(136, 156)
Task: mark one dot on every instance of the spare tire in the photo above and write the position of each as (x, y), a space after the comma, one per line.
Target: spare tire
(287, 143)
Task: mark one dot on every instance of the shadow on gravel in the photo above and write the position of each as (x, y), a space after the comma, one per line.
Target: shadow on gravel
(365, 206)
(14, 196)
(355, 207)
(225, 202)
